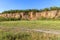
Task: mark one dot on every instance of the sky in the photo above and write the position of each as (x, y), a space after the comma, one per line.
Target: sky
(27, 4)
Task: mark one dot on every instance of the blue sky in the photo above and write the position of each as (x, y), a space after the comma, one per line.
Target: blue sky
(27, 4)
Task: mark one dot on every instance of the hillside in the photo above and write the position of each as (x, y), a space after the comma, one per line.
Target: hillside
(33, 14)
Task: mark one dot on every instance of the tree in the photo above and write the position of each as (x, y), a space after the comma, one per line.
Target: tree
(46, 9)
(54, 8)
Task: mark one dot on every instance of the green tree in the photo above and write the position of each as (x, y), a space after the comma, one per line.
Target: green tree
(54, 8)
(46, 9)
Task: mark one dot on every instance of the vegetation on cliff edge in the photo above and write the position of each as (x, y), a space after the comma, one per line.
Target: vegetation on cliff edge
(34, 10)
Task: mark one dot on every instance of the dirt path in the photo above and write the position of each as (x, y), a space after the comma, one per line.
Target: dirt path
(26, 29)
(42, 30)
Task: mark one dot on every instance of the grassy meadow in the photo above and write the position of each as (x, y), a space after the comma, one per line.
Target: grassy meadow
(45, 24)
(8, 32)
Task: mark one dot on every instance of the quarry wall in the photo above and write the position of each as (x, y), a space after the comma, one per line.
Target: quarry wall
(33, 15)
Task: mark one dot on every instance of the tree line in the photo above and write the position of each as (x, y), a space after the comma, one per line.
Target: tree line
(34, 10)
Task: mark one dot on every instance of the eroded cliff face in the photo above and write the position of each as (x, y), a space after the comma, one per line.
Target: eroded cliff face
(49, 14)
(33, 15)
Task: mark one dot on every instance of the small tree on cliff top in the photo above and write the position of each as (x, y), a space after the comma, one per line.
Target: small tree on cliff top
(54, 8)
(46, 9)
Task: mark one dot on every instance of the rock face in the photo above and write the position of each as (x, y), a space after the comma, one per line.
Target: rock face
(33, 15)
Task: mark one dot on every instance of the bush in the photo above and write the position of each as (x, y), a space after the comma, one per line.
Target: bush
(9, 19)
(18, 36)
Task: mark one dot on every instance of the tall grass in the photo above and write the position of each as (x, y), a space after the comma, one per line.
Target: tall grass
(31, 35)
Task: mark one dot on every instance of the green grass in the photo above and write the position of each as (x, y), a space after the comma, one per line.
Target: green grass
(27, 36)
(16, 34)
(45, 24)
